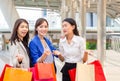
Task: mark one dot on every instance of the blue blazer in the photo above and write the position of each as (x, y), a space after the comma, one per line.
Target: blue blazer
(36, 48)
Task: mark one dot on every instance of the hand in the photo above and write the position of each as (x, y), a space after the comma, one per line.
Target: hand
(90, 52)
(56, 52)
(19, 57)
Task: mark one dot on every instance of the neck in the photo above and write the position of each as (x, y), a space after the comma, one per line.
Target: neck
(41, 37)
(21, 38)
(69, 37)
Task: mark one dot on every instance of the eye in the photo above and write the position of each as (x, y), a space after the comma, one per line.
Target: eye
(46, 26)
(21, 26)
(41, 26)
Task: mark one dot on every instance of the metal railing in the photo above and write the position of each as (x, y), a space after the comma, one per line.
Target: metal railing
(115, 43)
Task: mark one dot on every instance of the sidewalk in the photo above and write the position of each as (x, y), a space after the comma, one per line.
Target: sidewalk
(4, 58)
(111, 65)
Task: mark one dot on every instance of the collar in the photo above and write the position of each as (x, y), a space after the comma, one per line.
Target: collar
(74, 39)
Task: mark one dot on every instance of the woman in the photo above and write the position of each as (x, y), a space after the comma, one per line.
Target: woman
(72, 47)
(41, 49)
(19, 50)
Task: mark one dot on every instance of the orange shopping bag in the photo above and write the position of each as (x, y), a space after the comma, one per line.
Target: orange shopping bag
(3, 71)
(15, 74)
(45, 72)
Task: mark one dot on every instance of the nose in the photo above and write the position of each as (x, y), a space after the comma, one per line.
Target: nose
(25, 28)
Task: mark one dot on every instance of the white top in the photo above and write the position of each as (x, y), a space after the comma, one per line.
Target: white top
(74, 51)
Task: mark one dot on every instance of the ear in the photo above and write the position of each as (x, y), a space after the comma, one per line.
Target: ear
(36, 29)
(73, 27)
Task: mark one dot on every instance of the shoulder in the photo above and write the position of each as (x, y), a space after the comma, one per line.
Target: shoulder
(13, 46)
(79, 38)
(14, 43)
(34, 39)
(47, 40)
(62, 40)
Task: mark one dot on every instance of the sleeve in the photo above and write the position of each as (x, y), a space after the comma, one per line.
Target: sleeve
(13, 52)
(34, 52)
(82, 46)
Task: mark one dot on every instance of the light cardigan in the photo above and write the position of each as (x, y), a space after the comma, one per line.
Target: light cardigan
(15, 49)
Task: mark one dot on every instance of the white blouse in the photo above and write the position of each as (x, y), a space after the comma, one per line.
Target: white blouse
(74, 51)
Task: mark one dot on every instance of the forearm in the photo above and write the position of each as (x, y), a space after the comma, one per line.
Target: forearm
(85, 57)
(61, 57)
(42, 58)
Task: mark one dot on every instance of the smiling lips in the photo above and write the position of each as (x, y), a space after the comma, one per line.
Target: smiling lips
(24, 33)
(64, 31)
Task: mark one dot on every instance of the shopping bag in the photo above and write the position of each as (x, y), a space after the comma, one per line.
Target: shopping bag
(84, 72)
(34, 76)
(33, 73)
(99, 74)
(15, 74)
(3, 72)
(45, 72)
(72, 74)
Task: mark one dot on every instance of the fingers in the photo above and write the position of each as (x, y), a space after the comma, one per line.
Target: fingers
(19, 57)
(56, 52)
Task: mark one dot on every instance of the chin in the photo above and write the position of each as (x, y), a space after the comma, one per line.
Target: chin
(43, 34)
(65, 33)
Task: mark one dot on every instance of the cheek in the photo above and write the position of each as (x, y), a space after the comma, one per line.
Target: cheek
(38, 29)
(19, 31)
(27, 29)
(47, 30)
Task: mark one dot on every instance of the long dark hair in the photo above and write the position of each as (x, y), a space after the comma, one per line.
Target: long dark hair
(72, 22)
(14, 35)
(38, 23)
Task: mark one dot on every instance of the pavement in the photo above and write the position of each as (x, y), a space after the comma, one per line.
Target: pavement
(111, 65)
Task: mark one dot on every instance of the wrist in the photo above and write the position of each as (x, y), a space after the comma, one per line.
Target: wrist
(58, 54)
(20, 62)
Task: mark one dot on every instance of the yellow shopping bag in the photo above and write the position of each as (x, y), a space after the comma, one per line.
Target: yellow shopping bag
(15, 74)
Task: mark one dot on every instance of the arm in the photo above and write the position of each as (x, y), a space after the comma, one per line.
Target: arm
(85, 57)
(43, 57)
(15, 59)
(59, 55)
(55, 52)
(35, 53)
(83, 52)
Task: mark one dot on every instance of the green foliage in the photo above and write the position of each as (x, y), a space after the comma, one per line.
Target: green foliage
(108, 45)
(91, 45)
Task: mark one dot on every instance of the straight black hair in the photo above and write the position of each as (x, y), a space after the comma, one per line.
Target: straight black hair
(72, 22)
(14, 35)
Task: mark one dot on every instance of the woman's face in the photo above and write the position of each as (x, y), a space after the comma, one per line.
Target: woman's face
(67, 28)
(22, 30)
(42, 29)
